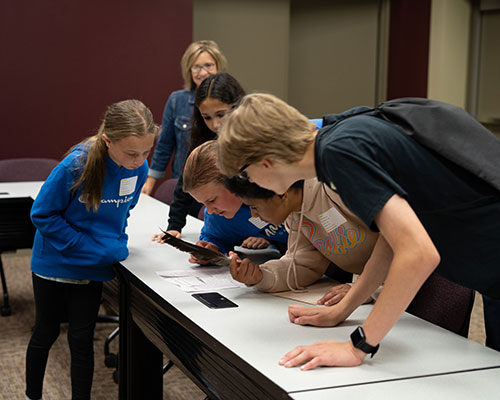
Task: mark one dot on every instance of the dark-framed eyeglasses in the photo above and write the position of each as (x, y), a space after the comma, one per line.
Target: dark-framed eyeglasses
(242, 173)
(196, 69)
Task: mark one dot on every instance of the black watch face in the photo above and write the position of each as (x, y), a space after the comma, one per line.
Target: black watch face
(357, 337)
(359, 341)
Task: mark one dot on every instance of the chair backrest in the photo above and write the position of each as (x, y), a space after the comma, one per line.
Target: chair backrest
(201, 213)
(165, 192)
(26, 169)
(444, 303)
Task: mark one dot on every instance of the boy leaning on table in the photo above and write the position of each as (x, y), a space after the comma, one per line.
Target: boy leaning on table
(431, 212)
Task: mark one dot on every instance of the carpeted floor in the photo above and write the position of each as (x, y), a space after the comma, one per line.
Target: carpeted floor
(15, 332)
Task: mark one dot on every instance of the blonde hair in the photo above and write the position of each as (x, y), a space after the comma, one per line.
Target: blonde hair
(201, 167)
(121, 120)
(262, 127)
(192, 53)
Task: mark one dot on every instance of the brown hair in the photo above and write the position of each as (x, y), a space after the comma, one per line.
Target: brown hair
(192, 53)
(201, 167)
(121, 120)
(262, 127)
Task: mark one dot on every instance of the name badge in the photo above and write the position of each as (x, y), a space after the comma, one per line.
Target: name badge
(258, 222)
(331, 219)
(127, 185)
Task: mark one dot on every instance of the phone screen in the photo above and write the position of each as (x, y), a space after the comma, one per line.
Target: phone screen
(214, 300)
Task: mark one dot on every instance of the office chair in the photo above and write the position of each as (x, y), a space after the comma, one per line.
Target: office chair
(26, 169)
(444, 303)
(201, 213)
(16, 229)
(165, 191)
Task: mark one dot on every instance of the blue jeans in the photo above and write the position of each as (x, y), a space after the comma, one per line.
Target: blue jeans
(56, 302)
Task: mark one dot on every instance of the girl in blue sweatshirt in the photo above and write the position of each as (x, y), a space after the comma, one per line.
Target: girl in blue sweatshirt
(80, 217)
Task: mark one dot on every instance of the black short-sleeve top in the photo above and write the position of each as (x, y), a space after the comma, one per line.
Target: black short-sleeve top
(368, 160)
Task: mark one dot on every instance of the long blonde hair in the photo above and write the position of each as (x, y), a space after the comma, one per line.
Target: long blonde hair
(192, 53)
(121, 120)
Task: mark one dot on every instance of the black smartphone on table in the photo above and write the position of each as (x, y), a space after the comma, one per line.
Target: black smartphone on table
(214, 300)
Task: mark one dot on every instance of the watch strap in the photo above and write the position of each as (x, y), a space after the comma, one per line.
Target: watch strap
(358, 339)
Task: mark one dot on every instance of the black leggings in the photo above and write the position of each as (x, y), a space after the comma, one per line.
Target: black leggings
(56, 302)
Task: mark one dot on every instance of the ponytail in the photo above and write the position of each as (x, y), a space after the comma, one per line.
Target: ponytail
(123, 119)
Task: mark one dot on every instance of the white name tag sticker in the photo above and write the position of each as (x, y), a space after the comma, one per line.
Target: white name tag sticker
(331, 219)
(127, 185)
(258, 222)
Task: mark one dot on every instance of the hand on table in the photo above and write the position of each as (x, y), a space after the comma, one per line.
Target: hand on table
(158, 236)
(317, 316)
(328, 353)
(244, 271)
(334, 294)
(255, 243)
(207, 245)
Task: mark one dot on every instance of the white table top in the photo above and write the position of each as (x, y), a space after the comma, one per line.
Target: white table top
(19, 189)
(480, 384)
(259, 331)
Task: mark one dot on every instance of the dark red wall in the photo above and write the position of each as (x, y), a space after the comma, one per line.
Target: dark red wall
(408, 62)
(62, 62)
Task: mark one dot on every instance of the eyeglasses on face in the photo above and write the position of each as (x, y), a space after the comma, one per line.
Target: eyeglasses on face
(243, 174)
(209, 67)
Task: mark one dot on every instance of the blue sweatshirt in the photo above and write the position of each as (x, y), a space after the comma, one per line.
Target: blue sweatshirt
(226, 233)
(71, 242)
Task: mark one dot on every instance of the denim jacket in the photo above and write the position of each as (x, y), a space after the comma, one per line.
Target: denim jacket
(174, 136)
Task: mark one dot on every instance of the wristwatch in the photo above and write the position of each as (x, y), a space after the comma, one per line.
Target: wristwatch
(358, 339)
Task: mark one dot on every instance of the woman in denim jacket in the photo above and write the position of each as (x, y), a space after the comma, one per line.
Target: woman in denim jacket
(201, 59)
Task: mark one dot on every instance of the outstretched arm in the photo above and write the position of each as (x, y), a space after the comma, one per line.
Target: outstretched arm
(412, 256)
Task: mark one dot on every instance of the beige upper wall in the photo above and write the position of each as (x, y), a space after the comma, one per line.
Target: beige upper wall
(464, 68)
(254, 35)
(488, 96)
(319, 55)
(449, 51)
(333, 55)
(326, 56)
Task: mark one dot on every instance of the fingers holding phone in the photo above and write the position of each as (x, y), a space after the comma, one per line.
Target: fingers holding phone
(207, 245)
(244, 271)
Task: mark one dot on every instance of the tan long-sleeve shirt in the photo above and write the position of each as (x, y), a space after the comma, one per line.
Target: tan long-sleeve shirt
(348, 245)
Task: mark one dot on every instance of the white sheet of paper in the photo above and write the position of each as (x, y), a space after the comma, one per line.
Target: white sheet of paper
(201, 279)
